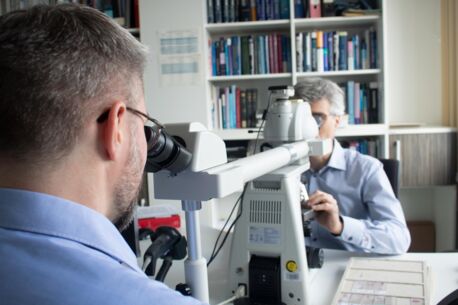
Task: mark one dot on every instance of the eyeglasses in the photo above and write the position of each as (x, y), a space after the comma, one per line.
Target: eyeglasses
(320, 118)
(153, 128)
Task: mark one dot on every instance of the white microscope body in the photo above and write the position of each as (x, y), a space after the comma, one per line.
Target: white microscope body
(270, 227)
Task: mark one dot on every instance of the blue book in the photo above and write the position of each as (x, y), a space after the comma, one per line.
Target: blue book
(260, 9)
(343, 54)
(331, 51)
(213, 55)
(276, 9)
(350, 102)
(325, 52)
(233, 106)
(226, 56)
(363, 58)
(299, 9)
(269, 9)
(284, 9)
(356, 52)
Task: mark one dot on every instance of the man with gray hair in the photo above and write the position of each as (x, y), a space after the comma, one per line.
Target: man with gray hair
(355, 206)
(72, 154)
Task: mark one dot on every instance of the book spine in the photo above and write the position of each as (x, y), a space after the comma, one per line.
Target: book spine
(298, 9)
(226, 57)
(213, 58)
(299, 51)
(336, 55)
(331, 51)
(210, 13)
(343, 51)
(279, 53)
(308, 56)
(313, 51)
(356, 49)
(284, 9)
(245, 56)
(225, 13)
(364, 55)
(373, 102)
(325, 52)
(243, 105)
(251, 54)
(350, 59)
(267, 53)
(275, 52)
(244, 10)
(319, 51)
(230, 58)
(373, 49)
(238, 109)
(357, 103)
(253, 10)
(350, 103)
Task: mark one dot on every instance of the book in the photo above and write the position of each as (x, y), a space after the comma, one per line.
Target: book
(328, 8)
(373, 103)
(315, 8)
(319, 52)
(299, 9)
(210, 12)
(299, 52)
(343, 51)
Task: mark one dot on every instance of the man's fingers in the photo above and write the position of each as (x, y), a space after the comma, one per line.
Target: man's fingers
(320, 198)
(326, 206)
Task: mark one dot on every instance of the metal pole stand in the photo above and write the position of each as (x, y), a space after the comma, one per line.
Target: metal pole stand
(195, 265)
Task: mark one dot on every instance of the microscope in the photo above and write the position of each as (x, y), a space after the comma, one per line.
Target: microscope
(268, 253)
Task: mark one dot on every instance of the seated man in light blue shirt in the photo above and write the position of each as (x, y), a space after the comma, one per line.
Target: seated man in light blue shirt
(355, 207)
(72, 153)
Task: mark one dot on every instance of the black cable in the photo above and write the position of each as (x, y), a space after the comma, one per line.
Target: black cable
(217, 248)
(222, 230)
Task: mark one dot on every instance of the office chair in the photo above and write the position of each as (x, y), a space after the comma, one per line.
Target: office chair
(391, 167)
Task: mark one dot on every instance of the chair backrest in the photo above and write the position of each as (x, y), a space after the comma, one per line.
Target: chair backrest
(391, 167)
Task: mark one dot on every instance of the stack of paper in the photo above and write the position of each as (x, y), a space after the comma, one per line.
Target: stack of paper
(384, 282)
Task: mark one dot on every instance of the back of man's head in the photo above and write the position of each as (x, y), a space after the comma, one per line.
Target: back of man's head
(60, 66)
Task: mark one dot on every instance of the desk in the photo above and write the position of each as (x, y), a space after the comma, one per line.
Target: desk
(444, 268)
(325, 281)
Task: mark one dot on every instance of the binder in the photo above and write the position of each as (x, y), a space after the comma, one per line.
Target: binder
(315, 9)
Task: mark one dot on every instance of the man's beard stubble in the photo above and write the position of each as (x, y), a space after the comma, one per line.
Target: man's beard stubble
(127, 189)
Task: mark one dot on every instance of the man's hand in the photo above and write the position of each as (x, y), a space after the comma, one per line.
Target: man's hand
(326, 211)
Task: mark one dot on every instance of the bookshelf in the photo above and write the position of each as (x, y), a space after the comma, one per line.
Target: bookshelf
(198, 102)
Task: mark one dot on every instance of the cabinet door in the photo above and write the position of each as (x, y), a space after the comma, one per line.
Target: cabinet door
(426, 159)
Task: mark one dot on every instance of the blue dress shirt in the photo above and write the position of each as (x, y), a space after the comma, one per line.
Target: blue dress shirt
(373, 220)
(54, 251)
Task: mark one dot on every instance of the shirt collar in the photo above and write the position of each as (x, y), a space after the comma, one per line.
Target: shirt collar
(54, 216)
(337, 159)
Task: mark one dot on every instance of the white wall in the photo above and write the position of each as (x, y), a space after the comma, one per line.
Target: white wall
(413, 61)
(436, 204)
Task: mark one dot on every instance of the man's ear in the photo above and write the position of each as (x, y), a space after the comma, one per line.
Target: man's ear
(337, 120)
(113, 136)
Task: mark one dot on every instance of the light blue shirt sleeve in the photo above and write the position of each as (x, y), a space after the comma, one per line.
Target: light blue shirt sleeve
(373, 220)
(384, 231)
